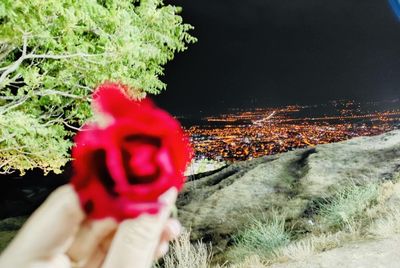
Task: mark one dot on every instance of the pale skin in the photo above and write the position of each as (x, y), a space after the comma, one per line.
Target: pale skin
(58, 235)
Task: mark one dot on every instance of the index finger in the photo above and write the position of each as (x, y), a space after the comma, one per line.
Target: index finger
(136, 240)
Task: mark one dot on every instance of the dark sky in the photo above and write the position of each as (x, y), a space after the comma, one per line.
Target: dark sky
(258, 53)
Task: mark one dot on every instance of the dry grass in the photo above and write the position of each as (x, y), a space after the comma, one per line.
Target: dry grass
(306, 247)
(388, 225)
(183, 254)
(341, 219)
(253, 261)
(388, 222)
(352, 214)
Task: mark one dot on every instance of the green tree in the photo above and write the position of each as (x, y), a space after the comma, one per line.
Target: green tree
(53, 53)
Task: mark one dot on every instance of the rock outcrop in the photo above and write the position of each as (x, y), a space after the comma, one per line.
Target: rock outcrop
(215, 206)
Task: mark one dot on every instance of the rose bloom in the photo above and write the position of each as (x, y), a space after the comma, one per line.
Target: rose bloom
(121, 169)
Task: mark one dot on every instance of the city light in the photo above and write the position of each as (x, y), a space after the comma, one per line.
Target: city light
(243, 135)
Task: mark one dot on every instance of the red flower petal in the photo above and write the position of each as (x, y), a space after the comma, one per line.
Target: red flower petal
(111, 98)
(122, 169)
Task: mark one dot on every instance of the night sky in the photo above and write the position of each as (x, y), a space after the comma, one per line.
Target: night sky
(258, 53)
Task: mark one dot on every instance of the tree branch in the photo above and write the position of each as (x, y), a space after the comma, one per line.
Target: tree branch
(57, 92)
(59, 57)
(72, 127)
(14, 66)
(13, 105)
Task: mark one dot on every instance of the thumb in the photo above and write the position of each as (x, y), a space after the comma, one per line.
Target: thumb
(136, 240)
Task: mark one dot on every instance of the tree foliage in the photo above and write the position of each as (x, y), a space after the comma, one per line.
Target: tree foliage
(53, 54)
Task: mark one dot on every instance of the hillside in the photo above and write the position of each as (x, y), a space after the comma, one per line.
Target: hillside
(292, 185)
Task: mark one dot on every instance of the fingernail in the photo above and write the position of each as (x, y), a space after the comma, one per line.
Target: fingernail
(169, 196)
(163, 249)
(176, 228)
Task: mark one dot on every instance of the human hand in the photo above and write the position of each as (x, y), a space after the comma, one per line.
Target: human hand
(58, 235)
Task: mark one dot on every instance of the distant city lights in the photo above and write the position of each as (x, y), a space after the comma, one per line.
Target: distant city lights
(243, 135)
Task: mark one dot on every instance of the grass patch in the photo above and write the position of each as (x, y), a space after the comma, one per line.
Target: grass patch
(346, 209)
(353, 213)
(342, 218)
(261, 238)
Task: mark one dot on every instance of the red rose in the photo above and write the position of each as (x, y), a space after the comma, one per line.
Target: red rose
(121, 169)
